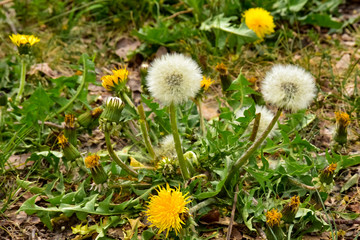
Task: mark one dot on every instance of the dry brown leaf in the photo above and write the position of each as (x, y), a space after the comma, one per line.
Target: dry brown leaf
(45, 69)
(125, 46)
(343, 63)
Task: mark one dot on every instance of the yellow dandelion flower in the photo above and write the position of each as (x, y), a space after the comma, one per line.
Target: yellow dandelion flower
(294, 203)
(206, 83)
(92, 161)
(121, 73)
(273, 217)
(20, 39)
(109, 82)
(62, 140)
(342, 118)
(221, 68)
(260, 21)
(166, 209)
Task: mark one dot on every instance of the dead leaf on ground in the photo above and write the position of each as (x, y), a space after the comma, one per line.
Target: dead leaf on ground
(45, 69)
(343, 63)
(18, 161)
(125, 46)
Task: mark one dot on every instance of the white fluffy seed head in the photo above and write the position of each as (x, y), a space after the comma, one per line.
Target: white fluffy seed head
(173, 78)
(289, 87)
(265, 119)
(167, 147)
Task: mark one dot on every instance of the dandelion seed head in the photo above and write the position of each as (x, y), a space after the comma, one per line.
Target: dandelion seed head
(289, 87)
(173, 78)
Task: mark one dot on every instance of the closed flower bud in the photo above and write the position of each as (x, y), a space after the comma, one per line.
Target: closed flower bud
(290, 209)
(90, 119)
(113, 109)
(70, 152)
(327, 174)
(342, 122)
(97, 171)
(273, 221)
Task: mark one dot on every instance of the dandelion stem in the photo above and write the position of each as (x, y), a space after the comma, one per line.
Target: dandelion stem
(113, 155)
(255, 128)
(202, 123)
(242, 160)
(180, 155)
(22, 81)
(126, 98)
(201, 205)
(144, 130)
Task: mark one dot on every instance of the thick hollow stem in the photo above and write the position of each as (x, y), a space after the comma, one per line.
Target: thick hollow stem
(256, 127)
(144, 131)
(201, 205)
(242, 160)
(175, 132)
(126, 98)
(113, 155)
(22, 81)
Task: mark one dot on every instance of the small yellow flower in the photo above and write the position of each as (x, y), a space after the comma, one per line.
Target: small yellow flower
(121, 73)
(92, 161)
(273, 217)
(19, 39)
(166, 209)
(294, 203)
(260, 21)
(342, 118)
(206, 83)
(62, 140)
(221, 68)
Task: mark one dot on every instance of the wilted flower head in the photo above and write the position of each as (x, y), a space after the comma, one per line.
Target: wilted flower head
(97, 171)
(260, 21)
(273, 217)
(165, 210)
(92, 161)
(221, 68)
(173, 78)
(294, 203)
(342, 122)
(206, 83)
(265, 119)
(289, 87)
(327, 174)
(117, 80)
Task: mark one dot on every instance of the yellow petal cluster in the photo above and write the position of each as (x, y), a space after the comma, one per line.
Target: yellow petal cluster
(166, 209)
(206, 83)
(329, 170)
(92, 161)
(342, 118)
(69, 120)
(20, 39)
(119, 76)
(260, 21)
(273, 217)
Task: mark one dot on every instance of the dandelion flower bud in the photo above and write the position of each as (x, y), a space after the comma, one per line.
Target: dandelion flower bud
(113, 109)
(290, 209)
(342, 122)
(173, 78)
(166, 209)
(327, 174)
(265, 119)
(289, 87)
(89, 119)
(70, 152)
(24, 42)
(70, 130)
(97, 171)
